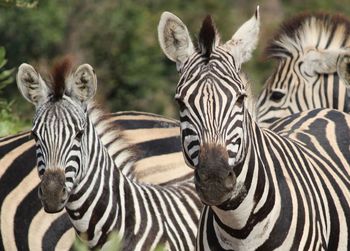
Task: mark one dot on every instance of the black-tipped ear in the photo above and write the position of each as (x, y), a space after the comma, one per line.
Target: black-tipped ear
(83, 84)
(31, 85)
(207, 36)
(244, 41)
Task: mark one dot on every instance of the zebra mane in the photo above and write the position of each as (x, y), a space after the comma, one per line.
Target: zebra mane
(59, 73)
(112, 135)
(307, 31)
(208, 37)
(250, 100)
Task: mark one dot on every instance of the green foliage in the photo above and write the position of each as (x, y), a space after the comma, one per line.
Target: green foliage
(119, 39)
(19, 4)
(10, 123)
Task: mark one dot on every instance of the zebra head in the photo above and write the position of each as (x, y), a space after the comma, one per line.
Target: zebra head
(210, 94)
(312, 71)
(59, 127)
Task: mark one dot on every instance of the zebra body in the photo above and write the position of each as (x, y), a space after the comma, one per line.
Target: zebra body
(313, 69)
(296, 192)
(154, 165)
(78, 173)
(280, 189)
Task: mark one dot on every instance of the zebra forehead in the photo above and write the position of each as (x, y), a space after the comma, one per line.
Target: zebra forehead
(60, 112)
(305, 30)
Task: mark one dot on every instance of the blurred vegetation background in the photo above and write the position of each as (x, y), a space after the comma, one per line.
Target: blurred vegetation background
(119, 39)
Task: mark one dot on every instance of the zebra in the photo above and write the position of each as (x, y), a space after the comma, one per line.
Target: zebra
(286, 189)
(78, 173)
(159, 161)
(313, 67)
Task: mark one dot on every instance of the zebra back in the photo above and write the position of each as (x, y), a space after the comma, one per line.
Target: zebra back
(313, 67)
(19, 181)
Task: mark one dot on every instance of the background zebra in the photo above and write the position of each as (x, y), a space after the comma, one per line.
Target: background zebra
(313, 70)
(79, 174)
(25, 225)
(264, 190)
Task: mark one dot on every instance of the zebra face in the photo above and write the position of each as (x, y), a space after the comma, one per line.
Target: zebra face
(311, 69)
(59, 129)
(293, 88)
(58, 132)
(210, 95)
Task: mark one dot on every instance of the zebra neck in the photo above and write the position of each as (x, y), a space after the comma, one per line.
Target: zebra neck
(95, 205)
(250, 207)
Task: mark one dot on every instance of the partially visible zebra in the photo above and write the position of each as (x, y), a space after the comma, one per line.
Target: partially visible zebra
(25, 225)
(313, 70)
(78, 173)
(286, 189)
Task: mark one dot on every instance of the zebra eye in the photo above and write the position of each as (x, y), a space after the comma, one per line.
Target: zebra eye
(240, 99)
(276, 96)
(34, 136)
(79, 135)
(181, 104)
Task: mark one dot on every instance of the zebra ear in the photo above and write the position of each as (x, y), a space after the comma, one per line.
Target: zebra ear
(174, 39)
(320, 62)
(83, 84)
(31, 85)
(244, 41)
(343, 68)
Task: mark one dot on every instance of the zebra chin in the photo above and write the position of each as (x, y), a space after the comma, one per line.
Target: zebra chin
(214, 194)
(52, 209)
(52, 191)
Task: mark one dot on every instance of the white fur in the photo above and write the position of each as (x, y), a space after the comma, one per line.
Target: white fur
(342, 68)
(174, 39)
(244, 41)
(31, 85)
(321, 61)
(82, 85)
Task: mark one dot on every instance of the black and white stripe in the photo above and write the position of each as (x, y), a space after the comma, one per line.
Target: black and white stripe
(102, 199)
(312, 53)
(158, 161)
(288, 188)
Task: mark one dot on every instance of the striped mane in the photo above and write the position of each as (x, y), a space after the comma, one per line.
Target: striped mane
(309, 31)
(110, 134)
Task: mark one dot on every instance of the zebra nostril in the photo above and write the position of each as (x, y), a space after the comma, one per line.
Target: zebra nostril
(40, 193)
(64, 194)
(230, 180)
(196, 176)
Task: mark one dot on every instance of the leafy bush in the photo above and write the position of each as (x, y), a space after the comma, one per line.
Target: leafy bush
(9, 122)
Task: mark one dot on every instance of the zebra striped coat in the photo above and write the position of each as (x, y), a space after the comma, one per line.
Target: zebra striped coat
(159, 161)
(286, 189)
(77, 172)
(313, 69)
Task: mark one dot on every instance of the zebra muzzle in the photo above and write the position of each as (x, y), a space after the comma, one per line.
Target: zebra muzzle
(52, 191)
(214, 177)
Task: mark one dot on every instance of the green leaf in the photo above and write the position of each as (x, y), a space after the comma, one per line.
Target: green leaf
(2, 54)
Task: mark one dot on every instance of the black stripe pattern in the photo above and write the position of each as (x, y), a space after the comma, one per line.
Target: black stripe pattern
(286, 188)
(292, 88)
